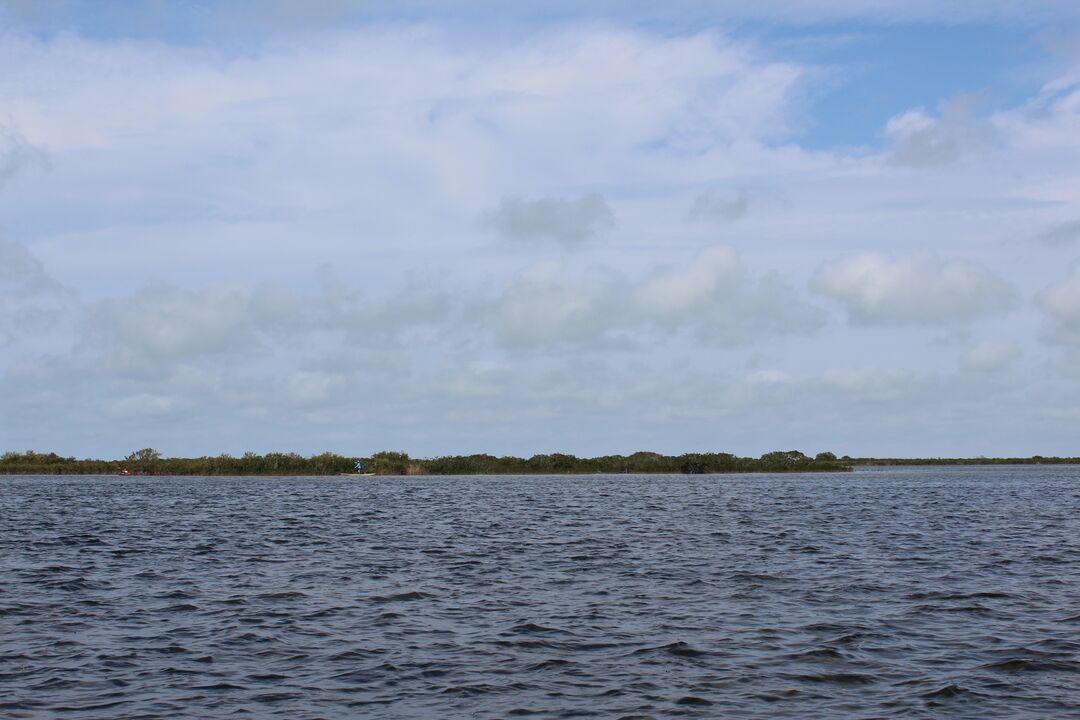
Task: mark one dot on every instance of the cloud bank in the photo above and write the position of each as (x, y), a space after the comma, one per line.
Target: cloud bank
(877, 289)
(389, 234)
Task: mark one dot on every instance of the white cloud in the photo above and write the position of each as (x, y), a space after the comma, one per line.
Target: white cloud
(710, 295)
(32, 303)
(567, 220)
(165, 324)
(768, 377)
(222, 179)
(19, 268)
(549, 304)
(143, 405)
(315, 389)
(878, 289)
(921, 141)
(989, 356)
(720, 205)
(1060, 304)
(1061, 234)
(717, 298)
(16, 154)
(675, 292)
(158, 327)
(869, 384)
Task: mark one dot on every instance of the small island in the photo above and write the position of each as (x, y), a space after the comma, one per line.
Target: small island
(148, 461)
(151, 462)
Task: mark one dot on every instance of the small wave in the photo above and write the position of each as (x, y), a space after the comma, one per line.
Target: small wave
(90, 706)
(20, 705)
(534, 628)
(55, 683)
(282, 595)
(947, 691)
(840, 678)
(56, 569)
(819, 654)
(1034, 665)
(469, 689)
(677, 648)
(173, 650)
(400, 597)
(355, 655)
(551, 663)
(974, 609)
(743, 576)
(176, 595)
(76, 585)
(529, 644)
(938, 595)
(266, 677)
(692, 700)
(824, 627)
(277, 697)
(365, 675)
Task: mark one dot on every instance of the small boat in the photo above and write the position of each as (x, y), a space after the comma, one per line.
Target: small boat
(354, 474)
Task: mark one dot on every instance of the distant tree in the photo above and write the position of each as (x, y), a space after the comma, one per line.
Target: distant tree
(146, 460)
(783, 459)
(692, 464)
(390, 463)
(144, 455)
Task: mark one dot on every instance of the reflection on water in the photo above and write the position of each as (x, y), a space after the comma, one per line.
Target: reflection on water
(898, 593)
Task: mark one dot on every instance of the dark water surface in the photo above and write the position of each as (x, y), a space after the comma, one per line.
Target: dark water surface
(923, 592)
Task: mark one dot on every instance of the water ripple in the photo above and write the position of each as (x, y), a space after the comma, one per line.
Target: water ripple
(883, 593)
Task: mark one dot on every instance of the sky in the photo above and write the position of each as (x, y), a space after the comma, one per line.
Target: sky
(517, 228)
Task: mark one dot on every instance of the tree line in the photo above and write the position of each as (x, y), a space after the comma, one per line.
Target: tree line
(1033, 460)
(148, 461)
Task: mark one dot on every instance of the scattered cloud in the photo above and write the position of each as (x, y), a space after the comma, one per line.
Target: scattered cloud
(870, 384)
(720, 205)
(675, 292)
(196, 186)
(1060, 303)
(570, 221)
(989, 356)
(877, 289)
(143, 405)
(16, 153)
(20, 270)
(716, 296)
(1064, 233)
(712, 296)
(162, 325)
(550, 305)
(920, 140)
(32, 303)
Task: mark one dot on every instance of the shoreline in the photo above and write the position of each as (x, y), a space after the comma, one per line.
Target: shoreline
(151, 463)
(854, 467)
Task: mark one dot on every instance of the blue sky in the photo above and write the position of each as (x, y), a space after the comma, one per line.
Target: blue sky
(535, 227)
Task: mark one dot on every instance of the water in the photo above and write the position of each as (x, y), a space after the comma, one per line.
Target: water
(886, 593)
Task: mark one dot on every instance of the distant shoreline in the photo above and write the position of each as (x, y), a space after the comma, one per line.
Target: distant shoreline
(149, 462)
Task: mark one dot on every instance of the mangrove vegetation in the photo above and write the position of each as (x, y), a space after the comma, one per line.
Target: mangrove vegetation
(148, 461)
(151, 462)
